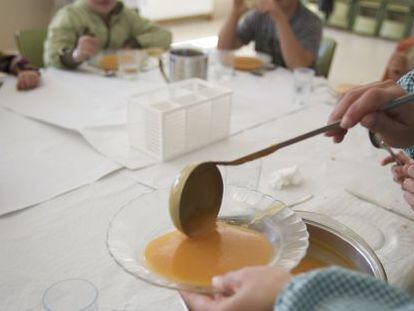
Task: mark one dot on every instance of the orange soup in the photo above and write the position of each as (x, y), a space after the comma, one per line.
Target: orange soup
(307, 264)
(321, 255)
(109, 62)
(195, 261)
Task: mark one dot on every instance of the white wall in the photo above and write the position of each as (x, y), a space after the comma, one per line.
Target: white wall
(20, 14)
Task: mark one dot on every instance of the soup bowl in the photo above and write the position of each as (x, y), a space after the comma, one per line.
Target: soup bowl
(147, 217)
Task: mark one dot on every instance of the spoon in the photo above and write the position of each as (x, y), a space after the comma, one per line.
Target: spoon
(197, 191)
(378, 142)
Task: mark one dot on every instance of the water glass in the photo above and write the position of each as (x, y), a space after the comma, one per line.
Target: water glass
(129, 63)
(221, 65)
(246, 175)
(71, 295)
(303, 80)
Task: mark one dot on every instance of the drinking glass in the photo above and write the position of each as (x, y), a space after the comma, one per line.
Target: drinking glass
(303, 79)
(246, 175)
(128, 63)
(221, 65)
(71, 295)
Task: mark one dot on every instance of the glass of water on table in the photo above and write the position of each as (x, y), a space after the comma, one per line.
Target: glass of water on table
(71, 295)
(302, 83)
(129, 63)
(221, 65)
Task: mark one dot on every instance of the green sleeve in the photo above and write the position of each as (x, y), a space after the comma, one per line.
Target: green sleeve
(148, 34)
(61, 40)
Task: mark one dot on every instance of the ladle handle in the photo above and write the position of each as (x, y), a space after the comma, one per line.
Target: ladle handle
(404, 100)
(407, 99)
(273, 148)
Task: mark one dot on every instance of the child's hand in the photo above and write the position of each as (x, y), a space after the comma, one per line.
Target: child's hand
(87, 47)
(397, 66)
(254, 288)
(27, 79)
(397, 170)
(270, 7)
(408, 184)
(403, 175)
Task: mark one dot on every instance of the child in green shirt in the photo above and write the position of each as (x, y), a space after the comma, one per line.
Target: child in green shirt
(80, 30)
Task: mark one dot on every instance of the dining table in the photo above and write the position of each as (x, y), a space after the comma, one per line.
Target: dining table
(67, 168)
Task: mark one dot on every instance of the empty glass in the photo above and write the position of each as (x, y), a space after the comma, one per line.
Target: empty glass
(246, 175)
(71, 295)
(303, 80)
(129, 63)
(221, 65)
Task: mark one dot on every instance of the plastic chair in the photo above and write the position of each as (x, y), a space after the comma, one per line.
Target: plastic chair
(367, 17)
(397, 21)
(30, 45)
(392, 30)
(325, 56)
(341, 16)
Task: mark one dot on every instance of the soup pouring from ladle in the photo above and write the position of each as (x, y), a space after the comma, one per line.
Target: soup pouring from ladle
(197, 192)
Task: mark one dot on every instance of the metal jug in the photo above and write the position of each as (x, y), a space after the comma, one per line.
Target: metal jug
(185, 63)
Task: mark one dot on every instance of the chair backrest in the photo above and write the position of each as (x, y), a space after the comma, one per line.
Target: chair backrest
(325, 56)
(30, 45)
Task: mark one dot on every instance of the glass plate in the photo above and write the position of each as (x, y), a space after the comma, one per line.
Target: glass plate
(148, 216)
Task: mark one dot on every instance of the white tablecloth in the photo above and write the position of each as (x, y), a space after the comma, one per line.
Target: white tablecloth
(65, 237)
(72, 99)
(96, 106)
(352, 165)
(39, 162)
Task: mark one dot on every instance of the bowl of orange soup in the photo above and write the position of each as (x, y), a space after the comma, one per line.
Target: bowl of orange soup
(332, 243)
(252, 229)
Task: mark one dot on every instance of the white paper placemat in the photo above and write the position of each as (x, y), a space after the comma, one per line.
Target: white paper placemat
(96, 106)
(65, 238)
(73, 99)
(256, 100)
(325, 166)
(39, 162)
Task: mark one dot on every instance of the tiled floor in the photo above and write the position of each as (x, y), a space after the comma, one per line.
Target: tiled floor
(358, 59)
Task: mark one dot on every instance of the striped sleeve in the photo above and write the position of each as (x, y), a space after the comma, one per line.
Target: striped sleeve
(337, 289)
(407, 83)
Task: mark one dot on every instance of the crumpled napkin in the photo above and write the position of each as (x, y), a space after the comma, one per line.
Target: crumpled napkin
(286, 177)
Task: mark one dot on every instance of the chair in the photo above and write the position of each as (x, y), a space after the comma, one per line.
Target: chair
(325, 56)
(30, 45)
(342, 14)
(397, 21)
(367, 17)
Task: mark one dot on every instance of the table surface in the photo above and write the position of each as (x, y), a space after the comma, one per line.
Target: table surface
(65, 237)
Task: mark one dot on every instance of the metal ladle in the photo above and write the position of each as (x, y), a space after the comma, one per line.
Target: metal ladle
(197, 191)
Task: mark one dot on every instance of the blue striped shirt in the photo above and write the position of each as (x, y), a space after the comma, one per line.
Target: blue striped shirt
(338, 289)
(407, 83)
